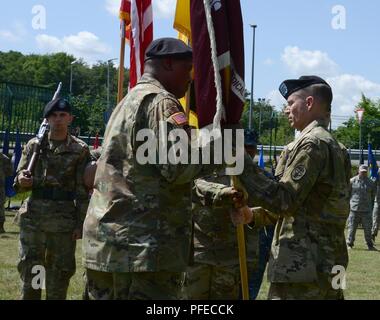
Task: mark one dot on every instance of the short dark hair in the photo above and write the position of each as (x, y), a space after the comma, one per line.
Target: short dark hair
(322, 93)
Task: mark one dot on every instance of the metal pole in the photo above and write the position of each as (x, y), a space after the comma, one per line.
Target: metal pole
(120, 81)
(360, 143)
(252, 75)
(260, 106)
(71, 78)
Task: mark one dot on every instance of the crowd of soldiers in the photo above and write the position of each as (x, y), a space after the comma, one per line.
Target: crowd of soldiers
(167, 230)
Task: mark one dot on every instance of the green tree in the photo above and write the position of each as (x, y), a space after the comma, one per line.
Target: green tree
(274, 126)
(89, 85)
(349, 133)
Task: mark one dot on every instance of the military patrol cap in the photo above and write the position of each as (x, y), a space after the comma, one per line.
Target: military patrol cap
(250, 138)
(57, 104)
(363, 168)
(168, 47)
(292, 85)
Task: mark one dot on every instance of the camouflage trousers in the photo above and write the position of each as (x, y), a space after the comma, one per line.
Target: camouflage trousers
(354, 219)
(376, 219)
(304, 291)
(208, 282)
(134, 285)
(52, 252)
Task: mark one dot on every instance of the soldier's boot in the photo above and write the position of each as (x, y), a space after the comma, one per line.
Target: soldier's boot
(2, 227)
(371, 247)
(30, 294)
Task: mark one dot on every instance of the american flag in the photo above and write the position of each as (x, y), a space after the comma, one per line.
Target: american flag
(138, 17)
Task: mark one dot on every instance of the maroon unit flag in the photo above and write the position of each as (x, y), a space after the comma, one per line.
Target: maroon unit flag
(228, 25)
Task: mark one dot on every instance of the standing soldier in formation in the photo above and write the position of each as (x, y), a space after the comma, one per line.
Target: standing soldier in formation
(363, 191)
(5, 171)
(376, 210)
(138, 228)
(311, 199)
(51, 220)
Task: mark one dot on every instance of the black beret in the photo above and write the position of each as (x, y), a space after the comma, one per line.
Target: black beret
(57, 104)
(168, 47)
(292, 85)
(250, 138)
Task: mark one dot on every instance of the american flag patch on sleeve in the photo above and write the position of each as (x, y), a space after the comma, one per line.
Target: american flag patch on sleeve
(179, 118)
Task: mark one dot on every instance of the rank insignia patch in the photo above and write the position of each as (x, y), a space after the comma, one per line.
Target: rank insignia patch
(298, 172)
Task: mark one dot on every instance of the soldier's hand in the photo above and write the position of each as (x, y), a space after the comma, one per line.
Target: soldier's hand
(89, 175)
(77, 234)
(238, 200)
(241, 215)
(25, 179)
(230, 192)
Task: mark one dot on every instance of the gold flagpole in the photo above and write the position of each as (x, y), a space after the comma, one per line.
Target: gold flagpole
(241, 247)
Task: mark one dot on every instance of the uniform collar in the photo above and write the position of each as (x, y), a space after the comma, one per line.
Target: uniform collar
(62, 147)
(305, 131)
(149, 78)
(311, 126)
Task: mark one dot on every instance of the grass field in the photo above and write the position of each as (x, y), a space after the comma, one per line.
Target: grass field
(363, 278)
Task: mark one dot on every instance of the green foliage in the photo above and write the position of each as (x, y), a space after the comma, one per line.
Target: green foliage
(349, 134)
(89, 86)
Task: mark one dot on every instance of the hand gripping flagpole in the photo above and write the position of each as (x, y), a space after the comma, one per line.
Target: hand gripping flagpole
(219, 115)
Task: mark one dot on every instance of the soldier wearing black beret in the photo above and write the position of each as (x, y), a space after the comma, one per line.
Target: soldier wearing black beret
(309, 199)
(292, 85)
(52, 218)
(143, 210)
(168, 47)
(57, 104)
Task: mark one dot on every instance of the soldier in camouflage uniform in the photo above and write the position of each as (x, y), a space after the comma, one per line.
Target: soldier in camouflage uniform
(311, 200)
(376, 210)
(215, 273)
(51, 219)
(5, 171)
(137, 232)
(363, 191)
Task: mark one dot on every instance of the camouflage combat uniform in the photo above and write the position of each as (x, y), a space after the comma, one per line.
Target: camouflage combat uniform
(56, 207)
(312, 202)
(5, 171)
(361, 206)
(137, 232)
(376, 212)
(215, 274)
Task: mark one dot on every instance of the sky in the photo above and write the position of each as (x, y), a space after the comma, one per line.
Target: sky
(335, 40)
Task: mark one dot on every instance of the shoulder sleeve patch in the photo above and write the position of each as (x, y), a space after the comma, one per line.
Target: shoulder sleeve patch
(298, 172)
(179, 118)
